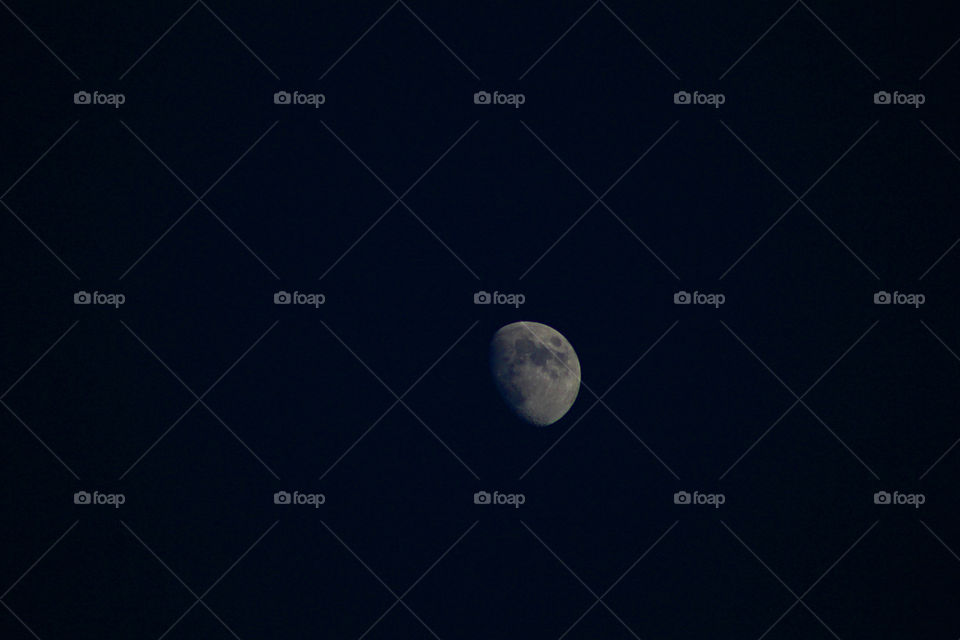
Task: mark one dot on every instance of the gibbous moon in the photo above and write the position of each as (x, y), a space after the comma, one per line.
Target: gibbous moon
(536, 371)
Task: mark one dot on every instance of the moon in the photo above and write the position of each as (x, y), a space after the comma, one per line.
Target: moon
(536, 371)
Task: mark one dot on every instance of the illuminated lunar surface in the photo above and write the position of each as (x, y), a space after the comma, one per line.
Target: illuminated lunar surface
(536, 371)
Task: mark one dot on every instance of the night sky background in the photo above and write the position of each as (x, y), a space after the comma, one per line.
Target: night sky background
(199, 198)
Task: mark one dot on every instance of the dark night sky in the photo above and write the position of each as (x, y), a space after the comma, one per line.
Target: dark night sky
(597, 199)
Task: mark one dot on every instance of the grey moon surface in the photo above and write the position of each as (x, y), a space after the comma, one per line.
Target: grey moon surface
(536, 371)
